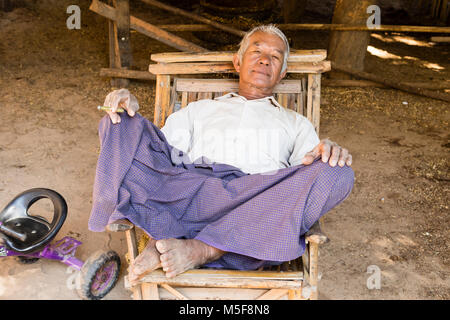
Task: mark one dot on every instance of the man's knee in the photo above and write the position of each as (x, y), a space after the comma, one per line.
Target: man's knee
(338, 178)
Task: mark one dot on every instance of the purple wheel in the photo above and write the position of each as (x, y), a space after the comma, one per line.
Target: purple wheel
(99, 275)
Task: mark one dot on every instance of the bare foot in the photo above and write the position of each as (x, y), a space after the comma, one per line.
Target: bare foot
(147, 261)
(179, 255)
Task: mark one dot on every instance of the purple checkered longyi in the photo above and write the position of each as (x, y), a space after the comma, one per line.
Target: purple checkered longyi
(258, 219)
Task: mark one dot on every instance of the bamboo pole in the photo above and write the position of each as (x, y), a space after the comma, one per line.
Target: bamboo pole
(196, 17)
(381, 28)
(319, 27)
(431, 85)
(440, 39)
(393, 84)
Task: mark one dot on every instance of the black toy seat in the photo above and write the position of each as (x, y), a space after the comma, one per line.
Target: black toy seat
(24, 233)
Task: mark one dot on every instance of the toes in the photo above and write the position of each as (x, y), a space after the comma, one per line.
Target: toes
(171, 274)
(165, 245)
(162, 246)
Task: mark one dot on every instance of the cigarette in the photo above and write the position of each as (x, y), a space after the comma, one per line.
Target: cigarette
(106, 108)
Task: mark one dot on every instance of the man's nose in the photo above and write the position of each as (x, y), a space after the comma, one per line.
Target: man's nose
(264, 59)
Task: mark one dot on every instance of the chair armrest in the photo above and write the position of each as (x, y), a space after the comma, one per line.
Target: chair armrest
(316, 235)
(120, 225)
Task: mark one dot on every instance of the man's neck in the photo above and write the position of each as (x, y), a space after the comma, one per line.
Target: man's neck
(254, 94)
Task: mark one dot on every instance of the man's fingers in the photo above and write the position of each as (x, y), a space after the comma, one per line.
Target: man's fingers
(308, 158)
(325, 148)
(349, 160)
(335, 152)
(343, 157)
(121, 98)
(115, 118)
(312, 155)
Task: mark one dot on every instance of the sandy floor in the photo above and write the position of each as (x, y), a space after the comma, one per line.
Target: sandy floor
(397, 217)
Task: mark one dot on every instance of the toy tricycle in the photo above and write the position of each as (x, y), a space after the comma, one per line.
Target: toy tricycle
(28, 237)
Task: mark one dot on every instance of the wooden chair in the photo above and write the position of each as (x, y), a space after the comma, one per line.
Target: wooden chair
(297, 279)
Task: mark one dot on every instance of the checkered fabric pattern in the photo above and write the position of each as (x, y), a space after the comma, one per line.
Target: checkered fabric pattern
(258, 219)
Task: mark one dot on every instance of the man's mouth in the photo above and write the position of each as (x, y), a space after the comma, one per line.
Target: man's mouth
(261, 72)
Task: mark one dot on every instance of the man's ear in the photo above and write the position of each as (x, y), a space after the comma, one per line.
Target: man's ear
(282, 75)
(236, 62)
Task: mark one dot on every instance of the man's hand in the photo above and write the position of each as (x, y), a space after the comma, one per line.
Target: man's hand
(121, 98)
(331, 151)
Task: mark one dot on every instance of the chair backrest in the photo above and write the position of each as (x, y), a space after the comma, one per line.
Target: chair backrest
(172, 93)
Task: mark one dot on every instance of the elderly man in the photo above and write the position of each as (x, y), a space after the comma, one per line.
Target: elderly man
(244, 208)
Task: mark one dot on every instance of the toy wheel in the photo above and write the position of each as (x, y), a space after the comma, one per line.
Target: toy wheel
(26, 260)
(99, 275)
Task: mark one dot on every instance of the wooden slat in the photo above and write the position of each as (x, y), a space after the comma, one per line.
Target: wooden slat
(184, 99)
(217, 94)
(295, 295)
(228, 279)
(162, 98)
(202, 95)
(220, 85)
(283, 99)
(291, 102)
(309, 98)
(192, 96)
(227, 56)
(173, 98)
(316, 102)
(124, 73)
(150, 291)
(309, 67)
(192, 68)
(173, 291)
(227, 67)
(273, 294)
(193, 293)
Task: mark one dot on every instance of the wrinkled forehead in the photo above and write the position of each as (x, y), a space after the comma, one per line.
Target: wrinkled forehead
(261, 38)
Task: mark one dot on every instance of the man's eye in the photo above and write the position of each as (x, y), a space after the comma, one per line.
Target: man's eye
(276, 57)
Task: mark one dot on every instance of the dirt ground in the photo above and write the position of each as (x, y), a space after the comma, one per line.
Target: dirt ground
(397, 217)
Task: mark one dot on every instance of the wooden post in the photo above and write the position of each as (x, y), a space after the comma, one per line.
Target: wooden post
(6, 5)
(119, 41)
(313, 100)
(162, 97)
(348, 48)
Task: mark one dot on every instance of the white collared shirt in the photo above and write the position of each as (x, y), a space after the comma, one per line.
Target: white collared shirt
(255, 136)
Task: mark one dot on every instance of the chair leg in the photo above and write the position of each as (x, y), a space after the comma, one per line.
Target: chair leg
(313, 269)
(132, 253)
(150, 291)
(295, 295)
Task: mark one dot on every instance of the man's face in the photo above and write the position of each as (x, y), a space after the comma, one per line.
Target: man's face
(262, 62)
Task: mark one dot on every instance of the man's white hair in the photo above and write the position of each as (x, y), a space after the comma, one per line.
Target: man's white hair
(269, 28)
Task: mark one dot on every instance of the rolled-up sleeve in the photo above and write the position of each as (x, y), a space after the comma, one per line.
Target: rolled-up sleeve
(305, 140)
